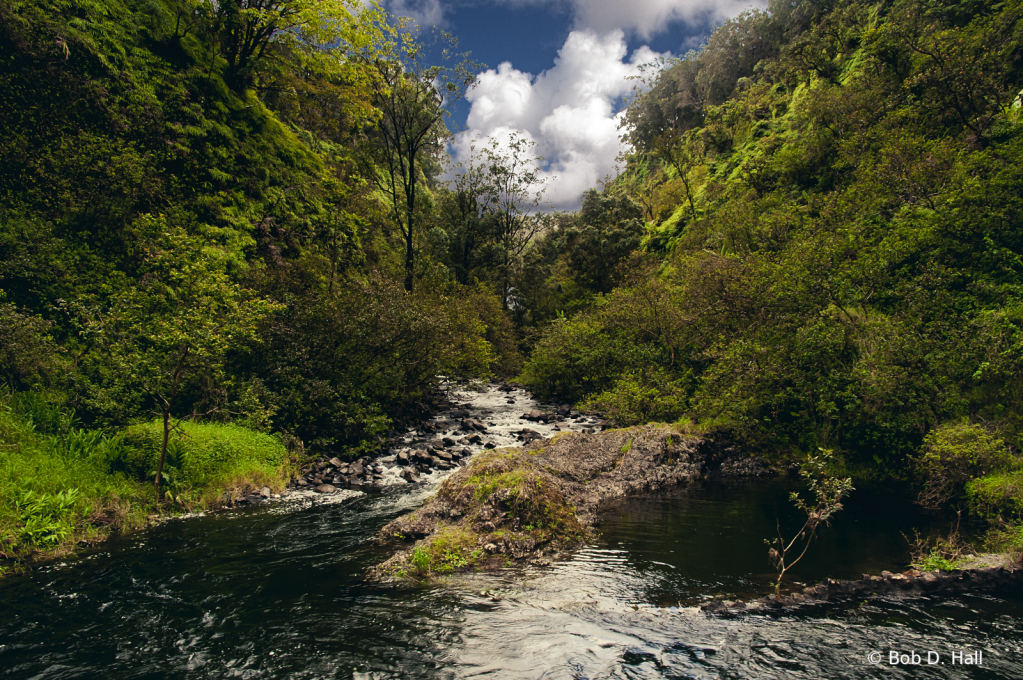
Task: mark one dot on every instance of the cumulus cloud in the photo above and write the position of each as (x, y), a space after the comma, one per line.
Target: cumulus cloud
(644, 18)
(568, 110)
(571, 110)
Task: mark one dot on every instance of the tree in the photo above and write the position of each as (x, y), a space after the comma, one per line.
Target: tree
(517, 189)
(606, 230)
(316, 35)
(469, 216)
(828, 493)
(175, 323)
(413, 98)
(684, 153)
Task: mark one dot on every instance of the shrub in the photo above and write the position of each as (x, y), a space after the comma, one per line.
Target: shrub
(952, 455)
(637, 399)
(997, 494)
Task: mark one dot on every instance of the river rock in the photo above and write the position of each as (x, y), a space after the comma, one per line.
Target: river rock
(336, 462)
(564, 410)
(448, 441)
(265, 492)
(325, 488)
(573, 479)
(403, 458)
(475, 439)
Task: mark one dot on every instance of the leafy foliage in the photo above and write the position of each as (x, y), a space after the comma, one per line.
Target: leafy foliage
(833, 194)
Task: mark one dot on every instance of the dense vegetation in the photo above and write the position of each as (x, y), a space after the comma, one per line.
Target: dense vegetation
(226, 222)
(200, 222)
(833, 236)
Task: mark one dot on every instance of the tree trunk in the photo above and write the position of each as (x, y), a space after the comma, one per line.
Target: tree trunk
(163, 452)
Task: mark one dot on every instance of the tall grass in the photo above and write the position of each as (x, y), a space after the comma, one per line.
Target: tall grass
(206, 462)
(56, 487)
(61, 485)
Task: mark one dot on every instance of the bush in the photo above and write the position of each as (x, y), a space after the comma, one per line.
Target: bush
(574, 358)
(953, 455)
(203, 458)
(998, 494)
(637, 399)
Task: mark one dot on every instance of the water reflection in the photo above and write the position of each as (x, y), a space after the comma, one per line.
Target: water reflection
(277, 592)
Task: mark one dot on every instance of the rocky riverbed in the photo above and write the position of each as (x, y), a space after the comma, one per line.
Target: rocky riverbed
(458, 423)
(531, 502)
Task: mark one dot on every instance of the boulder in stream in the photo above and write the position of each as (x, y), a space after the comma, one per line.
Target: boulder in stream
(524, 503)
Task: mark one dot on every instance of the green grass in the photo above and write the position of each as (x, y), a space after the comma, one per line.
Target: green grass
(61, 485)
(204, 460)
(56, 488)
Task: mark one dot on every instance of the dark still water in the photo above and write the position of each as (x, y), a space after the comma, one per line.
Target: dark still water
(276, 592)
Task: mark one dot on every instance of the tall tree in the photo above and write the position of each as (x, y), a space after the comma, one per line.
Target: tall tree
(413, 98)
(518, 190)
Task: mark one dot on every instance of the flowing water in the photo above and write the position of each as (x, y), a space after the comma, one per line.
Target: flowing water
(277, 592)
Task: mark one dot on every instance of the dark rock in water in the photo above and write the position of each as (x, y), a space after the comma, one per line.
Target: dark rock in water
(475, 439)
(325, 488)
(336, 462)
(505, 388)
(410, 476)
(466, 453)
(490, 445)
(356, 468)
(403, 458)
(265, 492)
(444, 455)
(421, 455)
(533, 415)
(460, 413)
(255, 499)
(564, 410)
(448, 441)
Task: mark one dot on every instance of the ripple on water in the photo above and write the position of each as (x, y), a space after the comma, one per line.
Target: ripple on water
(277, 591)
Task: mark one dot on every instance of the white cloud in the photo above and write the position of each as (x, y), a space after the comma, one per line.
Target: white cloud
(426, 13)
(568, 110)
(644, 18)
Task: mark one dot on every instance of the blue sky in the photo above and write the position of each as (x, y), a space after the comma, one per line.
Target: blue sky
(557, 71)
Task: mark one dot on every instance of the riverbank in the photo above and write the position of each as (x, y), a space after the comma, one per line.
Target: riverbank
(529, 504)
(63, 488)
(986, 572)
